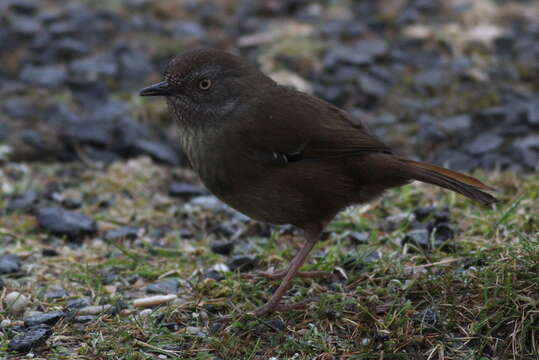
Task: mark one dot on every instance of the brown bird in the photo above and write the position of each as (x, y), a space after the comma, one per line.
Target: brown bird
(282, 156)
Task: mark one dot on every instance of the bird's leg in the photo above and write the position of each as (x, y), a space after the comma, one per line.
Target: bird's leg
(273, 304)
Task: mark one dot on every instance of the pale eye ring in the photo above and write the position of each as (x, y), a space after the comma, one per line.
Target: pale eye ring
(205, 84)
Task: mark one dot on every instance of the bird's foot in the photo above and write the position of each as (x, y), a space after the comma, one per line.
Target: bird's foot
(276, 275)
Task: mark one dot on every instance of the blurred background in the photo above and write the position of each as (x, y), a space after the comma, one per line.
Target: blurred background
(455, 81)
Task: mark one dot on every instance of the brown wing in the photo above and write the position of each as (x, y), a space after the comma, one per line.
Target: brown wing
(303, 127)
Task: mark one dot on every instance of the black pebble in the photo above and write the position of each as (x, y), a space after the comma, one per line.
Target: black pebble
(358, 237)
(9, 264)
(242, 263)
(22, 202)
(166, 286)
(50, 252)
(77, 303)
(185, 190)
(30, 339)
(215, 275)
(124, 232)
(72, 203)
(49, 318)
(224, 247)
(82, 319)
(419, 238)
(56, 294)
(63, 222)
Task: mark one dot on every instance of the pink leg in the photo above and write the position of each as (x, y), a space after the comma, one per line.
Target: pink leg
(273, 303)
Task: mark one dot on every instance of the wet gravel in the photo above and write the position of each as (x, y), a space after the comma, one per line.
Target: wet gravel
(399, 68)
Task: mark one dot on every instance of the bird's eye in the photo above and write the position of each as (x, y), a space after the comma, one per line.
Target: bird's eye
(205, 84)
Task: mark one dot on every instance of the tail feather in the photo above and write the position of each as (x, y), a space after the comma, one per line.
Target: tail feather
(452, 180)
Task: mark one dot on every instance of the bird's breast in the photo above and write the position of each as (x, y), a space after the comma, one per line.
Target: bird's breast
(217, 164)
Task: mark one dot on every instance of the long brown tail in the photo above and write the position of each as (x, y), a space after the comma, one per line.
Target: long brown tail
(452, 180)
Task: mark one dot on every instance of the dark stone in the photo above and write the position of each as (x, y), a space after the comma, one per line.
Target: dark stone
(24, 26)
(215, 275)
(492, 116)
(94, 68)
(63, 28)
(224, 247)
(63, 222)
(19, 108)
(372, 86)
(61, 115)
(372, 256)
(4, 131)
(442, 232)
(442, 215)
(29, 339)
(108, 276)
(532, 114)
(420, 238)
(159, 151)
(83, 319)
(429, 131)
(345, 55)
(529, 143)
(526, 156)
(72, 203)
(67, 49)
(132, 278)
(423, 213)
(25, 7)
(358, 237)
(229, 229)
(124, 232)
(56, 294)
(431, 79)
(90, 131)
(47, 76)
(159, 233)
(417, 225)
(457, 125)
(185, 190)
(9, 264)
(356, 261)
(187, 29)
(242, 263)
(32, 138)
(49, 318)
(77, 303)
(166, 286)
(132, 64)
(129, 130)
(50, 252)
(456, 160)
(103, 156)
(23, 202)
(373, 47)
(484, 144)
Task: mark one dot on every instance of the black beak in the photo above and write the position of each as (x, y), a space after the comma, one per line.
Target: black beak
(160, 89)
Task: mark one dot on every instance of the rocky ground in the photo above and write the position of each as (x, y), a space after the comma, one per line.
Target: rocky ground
(111, 248)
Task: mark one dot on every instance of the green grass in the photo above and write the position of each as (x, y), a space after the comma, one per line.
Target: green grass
(477, 302)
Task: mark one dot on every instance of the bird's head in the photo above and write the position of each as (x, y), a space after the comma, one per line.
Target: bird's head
(205, 84)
